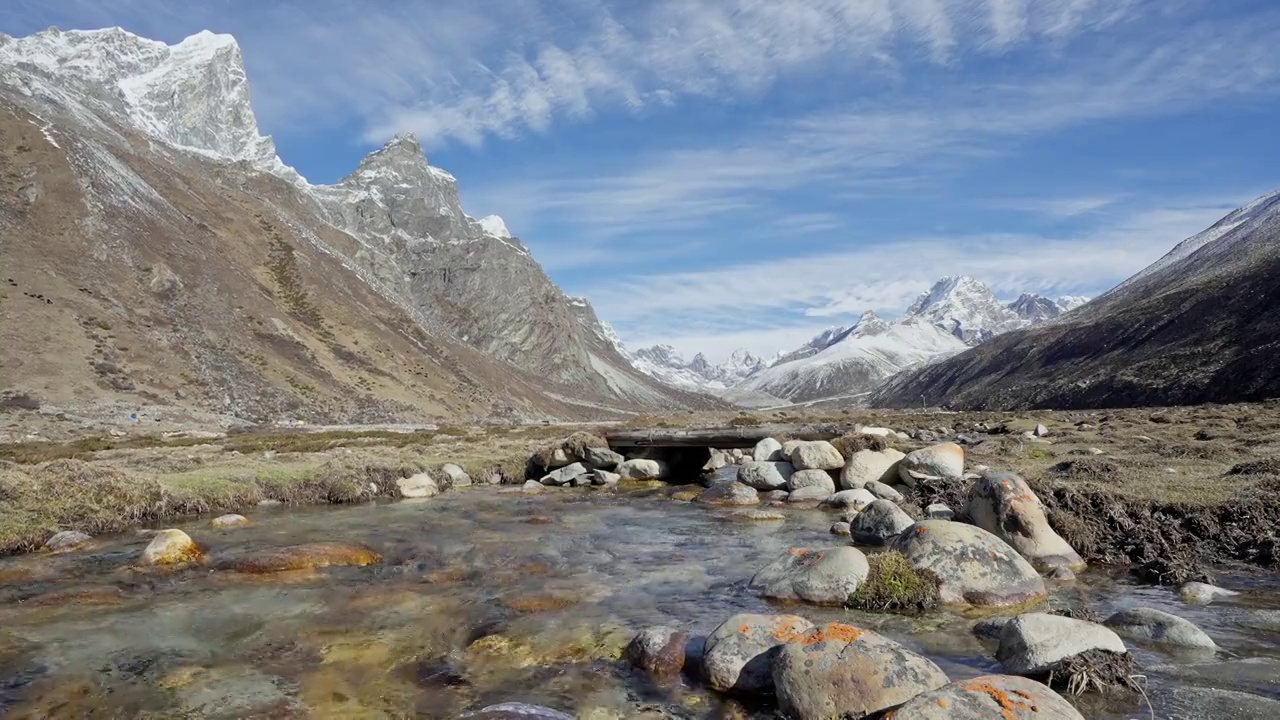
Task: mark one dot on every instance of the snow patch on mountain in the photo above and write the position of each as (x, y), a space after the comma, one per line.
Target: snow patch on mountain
(665, 364)
(493, 225)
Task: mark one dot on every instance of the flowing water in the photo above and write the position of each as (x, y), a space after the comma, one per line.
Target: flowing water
(483, 598)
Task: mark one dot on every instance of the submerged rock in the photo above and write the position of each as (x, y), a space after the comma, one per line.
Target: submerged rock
(823, 577)
(1199, 593)
(1036, 643)
(170, 547)
(1004, 505)
(67, 540)
(1159, 627)
(878, 523)
(302, 557)
(815, 455)
(936, 462)
(974, 566)
(517, 711)
(1007, 697)
(738, 655)
(729, 493)
(658, 651)
(229, 520)
(840, 671)
(867, 465)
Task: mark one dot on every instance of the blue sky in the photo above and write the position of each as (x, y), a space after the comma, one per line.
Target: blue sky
(725, 173)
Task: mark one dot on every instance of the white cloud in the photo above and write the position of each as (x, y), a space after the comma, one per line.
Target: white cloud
(767, 305)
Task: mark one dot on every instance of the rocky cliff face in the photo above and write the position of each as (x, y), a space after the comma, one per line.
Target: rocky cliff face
(1199, 325)
(153, 157)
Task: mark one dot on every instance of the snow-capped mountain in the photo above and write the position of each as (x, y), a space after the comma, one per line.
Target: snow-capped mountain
(955, 313)
(1196, 326)
(664, 363)
(161, 139)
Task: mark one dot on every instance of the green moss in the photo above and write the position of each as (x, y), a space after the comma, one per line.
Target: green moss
(892, 584)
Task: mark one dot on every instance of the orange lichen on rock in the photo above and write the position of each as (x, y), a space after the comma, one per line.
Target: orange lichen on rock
(942, 703)
(1009, 707)
(787, 632)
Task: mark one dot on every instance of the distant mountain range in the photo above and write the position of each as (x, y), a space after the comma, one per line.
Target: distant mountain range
(849, 362)
(1199, 325)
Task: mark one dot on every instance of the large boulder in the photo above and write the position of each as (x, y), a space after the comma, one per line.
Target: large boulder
(642, 469)
(766, 475)
(812, 479)
(738, 655)
(170, 547)
(857, 499)
(1007, 697)
(729, 493)
(1002, 504)
(865, 466)
(604, 478)
(823, 577)
(878, 523)
(816, 455)
(658, 651)
(1159, 627)
(767, 450)
(603, 458)
(567, 475)
(840, 671)
(455, 475)
(421, 485)
(1037, 643)
(973, 566)
(936, 462)
(884, 492)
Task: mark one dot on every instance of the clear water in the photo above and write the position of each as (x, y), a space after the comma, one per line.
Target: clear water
(481, 598)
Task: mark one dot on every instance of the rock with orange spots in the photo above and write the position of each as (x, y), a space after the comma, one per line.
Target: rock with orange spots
(973, 566)
(1002, 504)
(738, 655)
(729, 493)
(170, 547)
(936, 462)
(823, 577)
(841, 671)
(302, 557)
(990, 697)
(658, 651)
(878, 523)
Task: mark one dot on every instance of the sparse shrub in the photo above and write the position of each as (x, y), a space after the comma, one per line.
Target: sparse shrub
(574, 446)
(892, 584)
(1269, 466)
(1087, 468)
(746, 420)
(18, 401)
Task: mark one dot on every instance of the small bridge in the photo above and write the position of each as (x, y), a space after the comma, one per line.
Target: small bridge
(721, 438)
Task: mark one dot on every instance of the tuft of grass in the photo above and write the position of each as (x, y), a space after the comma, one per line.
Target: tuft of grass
(745, 420)
(1269, 466)
(574, 446)
(853, 442)
(892, 584)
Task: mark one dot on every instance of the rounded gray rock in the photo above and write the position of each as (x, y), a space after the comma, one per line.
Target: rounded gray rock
(773, 475)
(857, 499)
(883, 492)
(1004, 505)
(658, 651)
(945, 460)
(1036, 643)
(67, 540)
(767, 450)
(815, 455)
(973, 566)
(812, 478)
(867, 465)
(1159, 627)
(738, 655)
(826, 576)
(878, 523)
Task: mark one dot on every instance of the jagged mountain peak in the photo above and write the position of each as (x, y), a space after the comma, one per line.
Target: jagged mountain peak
(966, 308)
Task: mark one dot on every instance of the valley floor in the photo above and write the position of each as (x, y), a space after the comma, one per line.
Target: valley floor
(1166, 490)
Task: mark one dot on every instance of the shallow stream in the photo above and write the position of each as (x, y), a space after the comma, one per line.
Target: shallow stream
(484, 598)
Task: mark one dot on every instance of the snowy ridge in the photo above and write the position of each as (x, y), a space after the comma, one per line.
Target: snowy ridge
(664, 364)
